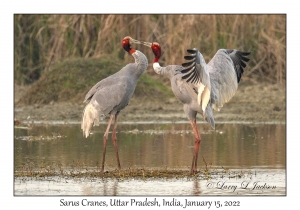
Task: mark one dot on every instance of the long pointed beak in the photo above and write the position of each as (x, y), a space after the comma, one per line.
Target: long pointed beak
(134, 41)
(148, 44)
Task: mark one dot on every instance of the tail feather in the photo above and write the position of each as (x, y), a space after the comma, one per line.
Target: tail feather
(90, 115)
(208, 116)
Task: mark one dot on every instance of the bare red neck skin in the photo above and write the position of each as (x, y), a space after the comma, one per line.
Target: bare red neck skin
(156, 51)
(127, 47)
(131, 51)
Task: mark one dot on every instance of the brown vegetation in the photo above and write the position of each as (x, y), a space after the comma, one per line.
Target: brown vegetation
(205, 173)
(61, 56)
(41, 40)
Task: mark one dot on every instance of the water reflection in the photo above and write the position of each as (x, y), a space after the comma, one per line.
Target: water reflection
(153, 145)
(271, 182)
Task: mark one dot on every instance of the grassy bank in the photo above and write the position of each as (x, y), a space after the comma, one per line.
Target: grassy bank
(71, 79)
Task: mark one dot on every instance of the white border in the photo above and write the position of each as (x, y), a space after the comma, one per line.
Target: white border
(8, 8)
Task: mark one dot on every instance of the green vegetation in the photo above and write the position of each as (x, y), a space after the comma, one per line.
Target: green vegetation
(71, 79)
(43, 42)
(148, 86)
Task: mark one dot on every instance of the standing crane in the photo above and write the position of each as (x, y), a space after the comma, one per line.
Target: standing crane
(202, 87)
(112, 94)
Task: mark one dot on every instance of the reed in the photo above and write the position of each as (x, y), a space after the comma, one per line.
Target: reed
(41, 40)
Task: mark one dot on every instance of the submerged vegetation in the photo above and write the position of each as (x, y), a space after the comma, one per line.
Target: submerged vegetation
(80, 171)
(90, 46)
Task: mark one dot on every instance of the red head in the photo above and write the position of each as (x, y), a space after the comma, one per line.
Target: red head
(127, 45)
(156, 51)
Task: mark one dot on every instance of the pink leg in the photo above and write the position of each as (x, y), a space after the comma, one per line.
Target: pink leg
(105, 139)
(196, 146)
(114, 138)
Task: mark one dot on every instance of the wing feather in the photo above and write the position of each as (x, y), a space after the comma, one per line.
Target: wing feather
(195, 72)
(103, 83)
(225, 70)
(217, 81)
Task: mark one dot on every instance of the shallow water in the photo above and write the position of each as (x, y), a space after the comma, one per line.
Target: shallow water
(261, 182)
(258, 149)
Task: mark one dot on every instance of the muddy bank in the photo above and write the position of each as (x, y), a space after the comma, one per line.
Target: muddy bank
(252, 102)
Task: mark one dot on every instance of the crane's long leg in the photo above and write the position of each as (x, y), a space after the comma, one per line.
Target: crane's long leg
(105, 140)
(196, 146)
(114, 138)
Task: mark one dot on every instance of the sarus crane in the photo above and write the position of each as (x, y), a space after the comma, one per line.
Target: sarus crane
(112, 94)
(202, 87)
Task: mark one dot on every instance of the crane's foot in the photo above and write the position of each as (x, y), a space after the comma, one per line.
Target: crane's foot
(194, 165)
(193, 171)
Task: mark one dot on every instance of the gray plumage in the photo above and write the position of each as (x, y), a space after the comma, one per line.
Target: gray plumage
(221, 75)
(112, 94)
(202, 87)
(218, 80)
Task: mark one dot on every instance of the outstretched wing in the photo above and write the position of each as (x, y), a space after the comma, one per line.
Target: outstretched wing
(195, 72)
(225, 70)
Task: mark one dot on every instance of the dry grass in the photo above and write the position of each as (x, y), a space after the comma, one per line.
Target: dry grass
(79, 171)
(41, 40)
